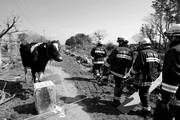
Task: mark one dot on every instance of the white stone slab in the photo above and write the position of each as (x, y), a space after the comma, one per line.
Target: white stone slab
(45, 96)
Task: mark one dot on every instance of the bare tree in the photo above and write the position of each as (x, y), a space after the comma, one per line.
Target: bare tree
(154, 29)
(137, 37)
(11, 23)
(99, 35)
(149, 31)
(166, 13)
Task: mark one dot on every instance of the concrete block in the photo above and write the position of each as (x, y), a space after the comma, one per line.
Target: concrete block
(45, 96)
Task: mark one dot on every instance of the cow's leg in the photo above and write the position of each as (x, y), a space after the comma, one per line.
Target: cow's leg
(25, 71)
(40, 76)
(37, 77)
(33, 76)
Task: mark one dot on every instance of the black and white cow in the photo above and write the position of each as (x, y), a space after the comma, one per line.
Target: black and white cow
(36, 56)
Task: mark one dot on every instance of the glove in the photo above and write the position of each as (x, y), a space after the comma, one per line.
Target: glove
(128, 75)
(104, 78)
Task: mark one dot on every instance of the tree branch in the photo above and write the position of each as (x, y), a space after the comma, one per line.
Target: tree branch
(9, 26)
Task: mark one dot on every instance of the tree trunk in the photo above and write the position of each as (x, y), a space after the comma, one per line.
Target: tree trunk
(178, 11)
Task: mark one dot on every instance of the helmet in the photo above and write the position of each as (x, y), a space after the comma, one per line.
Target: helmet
(99, 42)
(145, 41)
(120, 39)
(126, 41)
(173, 31)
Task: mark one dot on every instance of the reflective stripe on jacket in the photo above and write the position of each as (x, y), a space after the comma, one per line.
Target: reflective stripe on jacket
(124, 56)
(117, 74)
(98, 52)
(169, 88)
(98, 62)
(174, 102)
(146, 83)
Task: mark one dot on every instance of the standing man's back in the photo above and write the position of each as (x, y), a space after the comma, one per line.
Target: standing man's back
(119, 62)
(98, 53)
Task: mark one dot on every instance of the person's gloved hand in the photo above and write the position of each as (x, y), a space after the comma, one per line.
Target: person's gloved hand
(104, 78)
(128, 75)
(103, 81)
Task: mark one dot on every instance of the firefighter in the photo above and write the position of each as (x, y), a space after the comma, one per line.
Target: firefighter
(169, 105)
(119, 62)
(98, 53)
(147, 64)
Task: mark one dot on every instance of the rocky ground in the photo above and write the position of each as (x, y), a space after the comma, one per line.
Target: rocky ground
(98, 105)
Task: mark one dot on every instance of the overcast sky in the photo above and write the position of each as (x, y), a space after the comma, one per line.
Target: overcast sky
(61, 19)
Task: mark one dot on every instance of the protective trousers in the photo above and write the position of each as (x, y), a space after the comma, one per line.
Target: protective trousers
(118, 87)
(144, 96)
(164, 110)
(96, 68)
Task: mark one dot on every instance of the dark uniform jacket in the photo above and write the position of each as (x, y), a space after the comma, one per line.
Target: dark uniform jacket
(99, 53)
(171, 70)
(120, 61)
(148, 64)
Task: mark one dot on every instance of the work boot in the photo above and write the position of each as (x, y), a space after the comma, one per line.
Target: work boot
(116, 103)
(146, 111)
(98, 76)
(103, 81)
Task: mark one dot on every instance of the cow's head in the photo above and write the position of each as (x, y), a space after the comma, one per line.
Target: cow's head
(54, 50)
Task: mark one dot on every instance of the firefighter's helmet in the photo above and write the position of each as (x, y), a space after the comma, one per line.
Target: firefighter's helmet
(126, 41)
(173, 34)
(99, 42)
(173, 30)
(120, 39)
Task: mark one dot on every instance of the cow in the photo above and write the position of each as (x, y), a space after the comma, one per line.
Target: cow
(36, 55)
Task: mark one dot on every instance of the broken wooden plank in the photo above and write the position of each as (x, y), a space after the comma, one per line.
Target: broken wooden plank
(7, 99)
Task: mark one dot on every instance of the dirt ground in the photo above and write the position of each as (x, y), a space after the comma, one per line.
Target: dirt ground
(73, 83)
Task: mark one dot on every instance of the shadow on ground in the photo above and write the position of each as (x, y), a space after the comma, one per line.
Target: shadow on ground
(22, 91)
(26, 109)
(79, 79)
(93, 105)
(10, 87)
